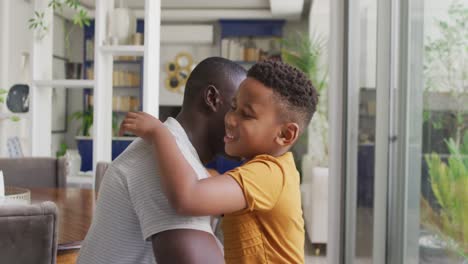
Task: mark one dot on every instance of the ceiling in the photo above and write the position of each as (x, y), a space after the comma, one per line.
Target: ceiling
(192, 4)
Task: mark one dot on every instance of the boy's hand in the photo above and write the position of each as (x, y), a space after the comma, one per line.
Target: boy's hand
(141, 124)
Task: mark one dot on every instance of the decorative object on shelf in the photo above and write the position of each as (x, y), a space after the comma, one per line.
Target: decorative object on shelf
(6, 116)
(73, 70)
(122, 25)
(178, 72)
(14, 147)
(250, 50)
(248, 41)
(125, 103)
(17, 100)
(184, 60)
(73, 162)
(125, 79)
(137, 39)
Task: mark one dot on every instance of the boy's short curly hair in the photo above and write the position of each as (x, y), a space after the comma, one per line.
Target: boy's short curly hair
(292, 87)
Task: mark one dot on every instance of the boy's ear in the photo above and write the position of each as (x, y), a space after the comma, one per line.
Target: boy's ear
(288, 134)
(212, 97)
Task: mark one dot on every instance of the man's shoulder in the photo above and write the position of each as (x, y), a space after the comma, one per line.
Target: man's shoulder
(136, 154)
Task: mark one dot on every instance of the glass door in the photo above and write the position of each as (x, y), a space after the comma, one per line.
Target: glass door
(432, 162)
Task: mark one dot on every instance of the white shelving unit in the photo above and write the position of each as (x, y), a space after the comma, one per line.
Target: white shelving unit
(64, 83)
(103, 66)
(123, 50)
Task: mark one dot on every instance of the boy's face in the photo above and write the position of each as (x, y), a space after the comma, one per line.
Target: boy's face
(252, 124)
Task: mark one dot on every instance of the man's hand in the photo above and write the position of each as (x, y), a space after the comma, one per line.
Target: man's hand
(141, 124)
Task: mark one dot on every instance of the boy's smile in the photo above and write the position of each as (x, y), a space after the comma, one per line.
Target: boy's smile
(252, 124)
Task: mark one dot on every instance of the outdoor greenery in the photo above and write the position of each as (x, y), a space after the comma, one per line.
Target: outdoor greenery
(446, 70)
(449, 182)
(446, 73)
(305, 53)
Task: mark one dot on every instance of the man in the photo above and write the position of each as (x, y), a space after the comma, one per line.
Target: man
(133, 218)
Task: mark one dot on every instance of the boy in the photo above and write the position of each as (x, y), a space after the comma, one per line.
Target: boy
(260, 200)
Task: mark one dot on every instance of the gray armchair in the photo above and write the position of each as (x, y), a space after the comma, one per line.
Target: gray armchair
(28, 233)
(34, 172)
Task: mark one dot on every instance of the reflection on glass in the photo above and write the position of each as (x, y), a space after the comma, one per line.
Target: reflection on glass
(366, 136)
(444, 193)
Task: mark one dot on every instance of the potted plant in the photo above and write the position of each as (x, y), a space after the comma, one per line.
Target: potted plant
(84, 137)
(80, 18)
(305, 53)
(86, 118)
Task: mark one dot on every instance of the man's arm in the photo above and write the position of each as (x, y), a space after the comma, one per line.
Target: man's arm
(187, 194)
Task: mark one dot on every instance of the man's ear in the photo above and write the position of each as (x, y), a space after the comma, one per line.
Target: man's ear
(288, 134)
(212, 97)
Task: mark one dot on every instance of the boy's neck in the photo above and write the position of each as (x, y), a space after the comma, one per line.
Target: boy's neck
(195, 129)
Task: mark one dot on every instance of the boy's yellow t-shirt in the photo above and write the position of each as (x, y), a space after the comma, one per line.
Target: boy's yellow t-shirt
(271, 228)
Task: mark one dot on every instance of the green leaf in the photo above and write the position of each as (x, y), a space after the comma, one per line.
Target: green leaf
(55, 4)
(72, 3)
(15, 118)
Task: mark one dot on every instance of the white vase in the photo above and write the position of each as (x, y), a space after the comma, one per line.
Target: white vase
(314, 189)
(73, 162)
(122, 25)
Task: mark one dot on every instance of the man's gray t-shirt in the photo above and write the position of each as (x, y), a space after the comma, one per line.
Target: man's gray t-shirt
(131, 206)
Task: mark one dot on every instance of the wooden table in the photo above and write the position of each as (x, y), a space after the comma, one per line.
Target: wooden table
(75, 213)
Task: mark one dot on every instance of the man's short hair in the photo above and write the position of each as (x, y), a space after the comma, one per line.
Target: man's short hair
(292, 88)
(216, 71)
